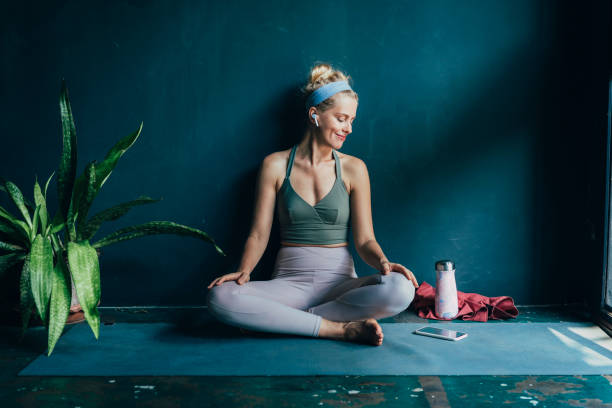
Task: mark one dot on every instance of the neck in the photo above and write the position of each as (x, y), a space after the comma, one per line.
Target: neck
(313, 149)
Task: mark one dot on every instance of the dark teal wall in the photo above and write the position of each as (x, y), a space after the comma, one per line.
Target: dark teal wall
(479, 123)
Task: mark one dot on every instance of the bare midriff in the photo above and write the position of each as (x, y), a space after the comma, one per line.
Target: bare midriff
(325, 246)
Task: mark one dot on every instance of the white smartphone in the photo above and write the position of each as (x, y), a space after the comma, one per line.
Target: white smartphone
(445, 334)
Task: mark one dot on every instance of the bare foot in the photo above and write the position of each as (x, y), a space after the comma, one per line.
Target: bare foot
(363, 331)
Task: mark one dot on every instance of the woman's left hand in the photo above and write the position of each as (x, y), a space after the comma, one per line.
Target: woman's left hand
(386, 267)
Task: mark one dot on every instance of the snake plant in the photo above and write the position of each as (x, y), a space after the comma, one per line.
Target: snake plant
(49, 264)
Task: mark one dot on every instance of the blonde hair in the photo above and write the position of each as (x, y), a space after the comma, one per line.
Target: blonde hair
(322, 74)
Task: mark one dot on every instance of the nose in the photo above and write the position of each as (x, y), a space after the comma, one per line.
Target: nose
(348, 128)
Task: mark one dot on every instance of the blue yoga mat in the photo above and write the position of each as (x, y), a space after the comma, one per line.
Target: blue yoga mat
(133, 349)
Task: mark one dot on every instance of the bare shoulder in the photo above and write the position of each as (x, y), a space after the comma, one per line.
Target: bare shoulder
(274, 165)
(353, 169)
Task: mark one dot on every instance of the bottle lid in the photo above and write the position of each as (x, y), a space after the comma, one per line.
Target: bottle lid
(445, 265)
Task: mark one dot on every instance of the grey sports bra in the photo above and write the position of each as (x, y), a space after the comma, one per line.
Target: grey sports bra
(327, 222)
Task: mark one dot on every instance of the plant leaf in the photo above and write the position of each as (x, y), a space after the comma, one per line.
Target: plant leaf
(17, 197)
(10, 247)
(57, 228)
(57, 223)
(155, 227)
(19, 226)
(104, 169)
(9, 260)
(87, 195)
(47, 184)
(26, 301)
(85, 272)
(41, 271)
(71, 217)
(112, 214)
(60, 303)
(10, 234)
(35, 218)
(67, 167)
(27, 202)
(41, 203)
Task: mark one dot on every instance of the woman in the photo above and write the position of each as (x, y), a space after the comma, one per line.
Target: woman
(314, 290)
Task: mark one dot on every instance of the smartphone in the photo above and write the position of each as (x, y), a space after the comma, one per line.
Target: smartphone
(445, 334)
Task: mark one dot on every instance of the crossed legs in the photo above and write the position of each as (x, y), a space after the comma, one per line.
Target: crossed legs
(297, 305)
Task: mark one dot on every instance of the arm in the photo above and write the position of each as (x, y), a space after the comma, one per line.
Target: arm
(263, 215)
(361, 218)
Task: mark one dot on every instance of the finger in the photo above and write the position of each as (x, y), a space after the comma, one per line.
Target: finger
(406, 269)
(212, 283)
(383, 269)
(410, 276)
(413, 279)
(407, 275)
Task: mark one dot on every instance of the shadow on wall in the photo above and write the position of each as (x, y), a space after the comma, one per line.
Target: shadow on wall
(496, 111)
(499, 115)
(501, 119)
(241, 195)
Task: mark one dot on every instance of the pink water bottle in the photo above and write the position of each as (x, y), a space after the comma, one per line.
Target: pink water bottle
(446, 290)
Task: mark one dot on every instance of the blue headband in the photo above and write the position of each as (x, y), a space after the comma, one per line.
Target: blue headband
(327, 90)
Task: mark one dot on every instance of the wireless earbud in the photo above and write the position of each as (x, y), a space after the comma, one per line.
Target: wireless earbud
(314, 116)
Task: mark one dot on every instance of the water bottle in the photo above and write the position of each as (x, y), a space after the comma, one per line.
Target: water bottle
(446, 290)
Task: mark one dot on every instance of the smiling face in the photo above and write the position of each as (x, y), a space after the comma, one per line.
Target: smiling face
(336, 122)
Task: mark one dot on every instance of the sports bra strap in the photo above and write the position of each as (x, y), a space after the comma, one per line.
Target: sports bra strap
(338, 174)
(291, 156)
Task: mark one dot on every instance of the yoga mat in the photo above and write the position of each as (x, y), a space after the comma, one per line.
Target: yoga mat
(133, 349)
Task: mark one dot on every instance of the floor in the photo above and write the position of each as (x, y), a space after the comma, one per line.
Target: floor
(307, 391)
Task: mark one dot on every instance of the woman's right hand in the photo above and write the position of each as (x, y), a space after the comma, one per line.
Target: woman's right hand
(239, 277)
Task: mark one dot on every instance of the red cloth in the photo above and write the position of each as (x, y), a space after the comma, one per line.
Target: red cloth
(472, 306)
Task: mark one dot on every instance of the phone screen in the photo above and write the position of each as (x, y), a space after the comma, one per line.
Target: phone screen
(441, 332)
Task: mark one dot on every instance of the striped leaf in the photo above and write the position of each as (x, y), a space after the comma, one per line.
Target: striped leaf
(87, 195)
(112, 214)
(35, 220)
(56, 228)
(70, 218)
(41, 271)
(17, 197)
(40, 201)
(47, 185)
(9, 260)
(7, 246)
(56, 224)
(68, 162)
(153, 228)
(85, 272)
(104, 169)
(27, 202)
(60, 303)
(20, 227)
(26, 300)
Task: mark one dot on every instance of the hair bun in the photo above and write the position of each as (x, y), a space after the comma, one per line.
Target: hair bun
(323, 73)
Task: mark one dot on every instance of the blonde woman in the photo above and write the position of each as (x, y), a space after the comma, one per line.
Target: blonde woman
(318, 191)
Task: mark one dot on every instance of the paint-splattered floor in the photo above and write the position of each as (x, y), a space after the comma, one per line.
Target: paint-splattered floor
(306, 391)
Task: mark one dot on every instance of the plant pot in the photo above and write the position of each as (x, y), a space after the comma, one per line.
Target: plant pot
(10, 312)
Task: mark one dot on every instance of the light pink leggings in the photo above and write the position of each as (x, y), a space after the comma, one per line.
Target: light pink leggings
(309, 283)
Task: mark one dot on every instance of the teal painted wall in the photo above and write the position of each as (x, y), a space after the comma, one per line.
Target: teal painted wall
(479, 122)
